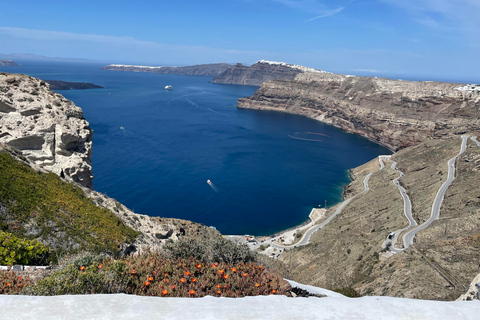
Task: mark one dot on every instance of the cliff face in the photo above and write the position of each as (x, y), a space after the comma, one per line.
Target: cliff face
(207, 70)
(260, 72)
(394, 113)
(8, 63)
(48, 129)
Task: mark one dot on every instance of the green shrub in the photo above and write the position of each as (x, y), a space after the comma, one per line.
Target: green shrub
(348, 292)
(13, 283)
(14, 250)
(216, 250)
(150, 274)
(55, 210)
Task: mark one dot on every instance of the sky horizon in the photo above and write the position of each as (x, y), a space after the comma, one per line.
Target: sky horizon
(437, 39)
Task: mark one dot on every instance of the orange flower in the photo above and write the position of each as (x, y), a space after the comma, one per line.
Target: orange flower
(257, 285)
(164, 292)
(225, 276)
(147, 283)
(199, 266)
(219, 292)
(260, 267)
(173, 287)
(187, 273)
(132, 272)
(221, 271)
(150, 278)
(100, 266)
(20, 278)
(191, 292)
(194, 280)
(82, 268)
(166, 274)
(165, 280)
(218, 286)
(234, 270)
(8, 284)
(273, 291)
(215, 265)
(245, 274)
(182, 280)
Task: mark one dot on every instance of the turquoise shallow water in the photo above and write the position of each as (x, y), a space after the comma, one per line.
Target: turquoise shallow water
(270, 168)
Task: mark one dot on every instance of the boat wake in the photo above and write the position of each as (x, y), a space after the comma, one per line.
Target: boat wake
(214, 187)
(302, 135)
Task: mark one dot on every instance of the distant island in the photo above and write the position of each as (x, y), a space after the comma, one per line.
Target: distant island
(207, 70)
(224, 73)
(8, 63)
(64, 85)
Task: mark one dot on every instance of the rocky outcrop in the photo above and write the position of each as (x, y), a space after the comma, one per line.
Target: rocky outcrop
(48, 129)
(260, 72)
(155, 231)
(8, 63)
(206, 70)
(65, 85)
(394, 113)
(473, 292)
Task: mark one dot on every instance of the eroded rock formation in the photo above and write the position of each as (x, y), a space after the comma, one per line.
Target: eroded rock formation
(48, 129)
(394, 113)
(260, 72)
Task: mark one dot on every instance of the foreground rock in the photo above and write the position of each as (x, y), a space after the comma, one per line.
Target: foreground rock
(260, 72)
(8, 63)
(64, 85)
(48, 129)
(394, 113)
(206, 70)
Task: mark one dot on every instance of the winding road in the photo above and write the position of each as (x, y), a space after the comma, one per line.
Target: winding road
(437, 203)
(407, 210)
(308, 233)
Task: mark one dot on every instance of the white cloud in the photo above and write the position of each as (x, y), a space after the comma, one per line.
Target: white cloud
(327, 13)
(444, 15)
(316, 7)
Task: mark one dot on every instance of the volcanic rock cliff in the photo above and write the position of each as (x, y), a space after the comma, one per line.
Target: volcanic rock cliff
(260, 72)
(48, 129)
(394, 113)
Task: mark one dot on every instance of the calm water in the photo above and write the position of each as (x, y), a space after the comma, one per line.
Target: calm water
(270, 168)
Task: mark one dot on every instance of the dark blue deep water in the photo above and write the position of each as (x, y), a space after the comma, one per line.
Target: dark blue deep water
(270, 168)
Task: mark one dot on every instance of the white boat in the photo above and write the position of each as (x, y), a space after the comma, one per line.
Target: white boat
(169, 87)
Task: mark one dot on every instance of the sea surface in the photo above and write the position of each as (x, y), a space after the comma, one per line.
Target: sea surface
(155, 149)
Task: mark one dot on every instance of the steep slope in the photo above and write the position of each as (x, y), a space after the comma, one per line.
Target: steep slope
(260, 72)
(206, 70)
(48, 129)
(394, 113)
(444, 259)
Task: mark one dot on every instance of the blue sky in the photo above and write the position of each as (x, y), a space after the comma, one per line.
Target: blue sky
(438, 39)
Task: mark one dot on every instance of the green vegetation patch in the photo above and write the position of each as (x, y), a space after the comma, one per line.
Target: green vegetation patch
(14, 250)
(40, 205)
(150, 274)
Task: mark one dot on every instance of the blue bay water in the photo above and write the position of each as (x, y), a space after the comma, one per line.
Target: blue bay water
(154, 150)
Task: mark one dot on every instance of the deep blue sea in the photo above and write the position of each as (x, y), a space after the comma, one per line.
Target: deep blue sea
(154, 150)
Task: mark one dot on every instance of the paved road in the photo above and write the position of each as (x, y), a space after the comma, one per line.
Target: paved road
(474, 139)
(307, 235)
(437, 203)
(407, 210)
